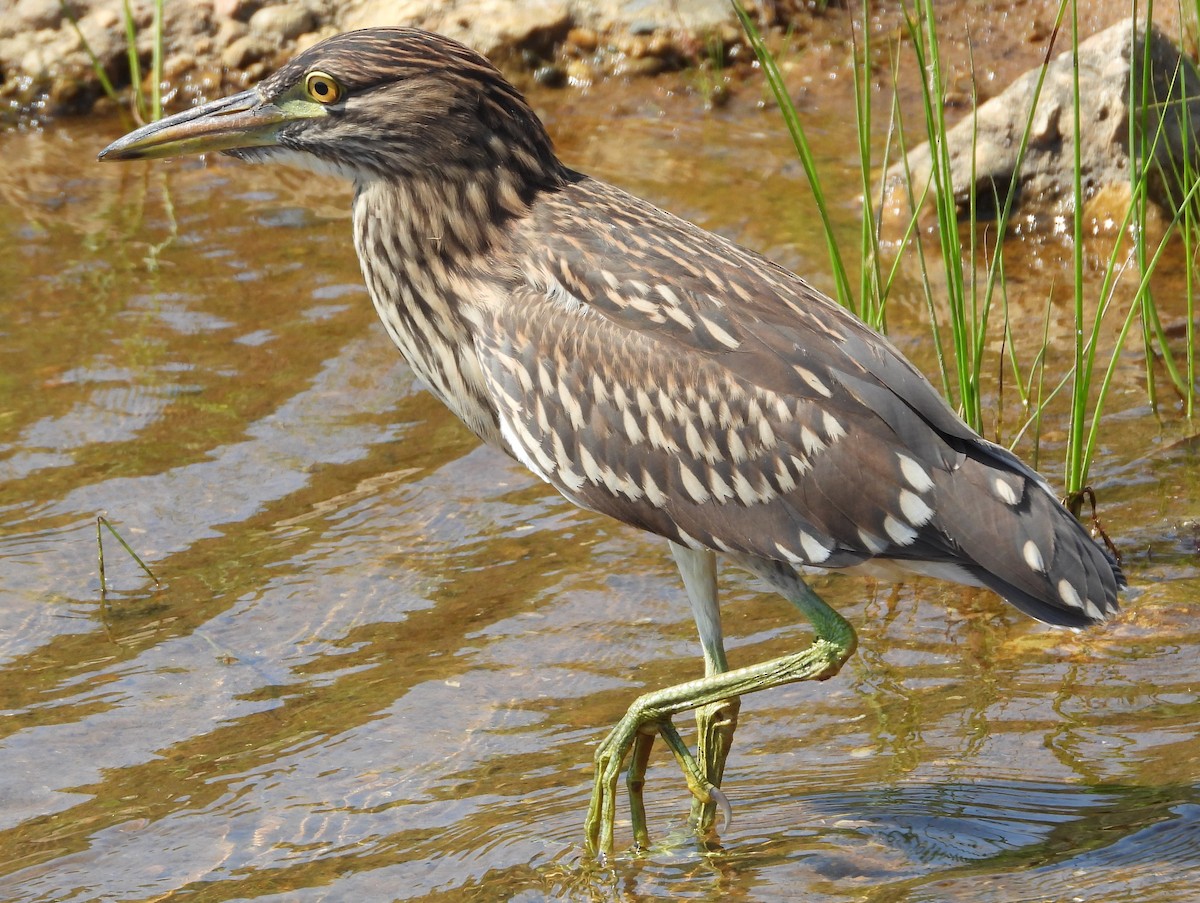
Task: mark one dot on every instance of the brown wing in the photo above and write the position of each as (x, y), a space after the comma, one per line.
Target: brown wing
(663, 376)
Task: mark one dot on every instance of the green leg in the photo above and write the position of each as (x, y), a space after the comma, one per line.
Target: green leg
(834, 641)
(635, 780)
(715, 725)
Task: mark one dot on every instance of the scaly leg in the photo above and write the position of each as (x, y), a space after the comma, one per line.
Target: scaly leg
(833, 643)
(716, 723)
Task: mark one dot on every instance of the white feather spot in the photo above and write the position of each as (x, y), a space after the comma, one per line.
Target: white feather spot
(814, 550)
(833, 429)
(719, 333)
(871, 542)
(1033, 556)
(746, 493)
(590, 469)
(721, 490)
(737, 448)
(789, 555)
(901, 533)
(916, 475)
(693, 486)
(545, 379)
(518, 448)
(914, 508)
(766, 435)
(523, 378)
(632, 430)
(811, 441)
(654, 495)
(611, 480)
(557, 294)
(783, 476)
(813, 381)
(680, 316)
(668, 406)
(668, 294)
(1068, 594)
(724, 414)
(571, 405)
(629, 488)
(599, 392)
(782, 412)
(1004, 492)
(802, 465)
(539, 412)
(658, 438)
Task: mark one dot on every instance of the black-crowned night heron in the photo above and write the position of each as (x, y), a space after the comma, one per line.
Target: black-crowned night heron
(648, 370)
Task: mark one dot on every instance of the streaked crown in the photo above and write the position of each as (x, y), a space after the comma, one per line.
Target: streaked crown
(406, 103)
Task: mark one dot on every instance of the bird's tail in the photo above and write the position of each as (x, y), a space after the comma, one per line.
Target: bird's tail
(1024, 544)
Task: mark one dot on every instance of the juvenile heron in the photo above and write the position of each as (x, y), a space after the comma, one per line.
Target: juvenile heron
(649, 370)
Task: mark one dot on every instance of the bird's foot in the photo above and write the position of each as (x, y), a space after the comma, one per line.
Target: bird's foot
(633, 738)
(651, 715)
(715, 725)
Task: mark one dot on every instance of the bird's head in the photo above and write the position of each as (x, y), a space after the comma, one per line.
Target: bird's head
(381, 103)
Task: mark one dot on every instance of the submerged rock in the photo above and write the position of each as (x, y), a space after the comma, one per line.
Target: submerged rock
(984, 147)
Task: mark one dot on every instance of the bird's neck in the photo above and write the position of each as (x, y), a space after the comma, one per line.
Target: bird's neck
(422, 247)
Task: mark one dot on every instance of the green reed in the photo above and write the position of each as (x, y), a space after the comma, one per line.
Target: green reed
(145, 109)
(973, 305)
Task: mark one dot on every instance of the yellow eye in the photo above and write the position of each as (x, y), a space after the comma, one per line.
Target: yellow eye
(322, 88)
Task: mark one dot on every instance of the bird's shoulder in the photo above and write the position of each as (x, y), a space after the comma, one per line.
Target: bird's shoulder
(599, 252)
(648, 269)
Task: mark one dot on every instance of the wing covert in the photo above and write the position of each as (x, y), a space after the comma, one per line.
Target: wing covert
(688, 444)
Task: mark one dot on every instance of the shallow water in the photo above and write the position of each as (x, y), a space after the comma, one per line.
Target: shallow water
(381, 655)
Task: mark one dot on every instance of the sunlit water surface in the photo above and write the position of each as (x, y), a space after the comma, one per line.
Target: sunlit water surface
(381, 655)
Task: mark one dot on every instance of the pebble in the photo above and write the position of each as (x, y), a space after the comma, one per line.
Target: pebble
(247, 49)
(285, 23)
(241, 10)
(314, 37)
(585, 39)
(581, 73)
(639, 66)
(39, 14)
(177, 65)
(552, 75)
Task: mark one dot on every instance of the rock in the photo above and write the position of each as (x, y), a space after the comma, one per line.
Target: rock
(178, 65)
(639, 66)
(314, 37)
(581, 73)
(585, 39)
(283, 23)
(238, 10)
(246, 50)
(551, 75)
(100, 29)
(1046, 178)
(38, 14)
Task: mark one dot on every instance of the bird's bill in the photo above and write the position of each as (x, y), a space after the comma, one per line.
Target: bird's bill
(241, 120)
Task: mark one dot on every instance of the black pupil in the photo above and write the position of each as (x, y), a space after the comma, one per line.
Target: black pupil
(321, 87)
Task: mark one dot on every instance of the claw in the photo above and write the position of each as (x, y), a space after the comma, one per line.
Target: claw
(722, 801)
